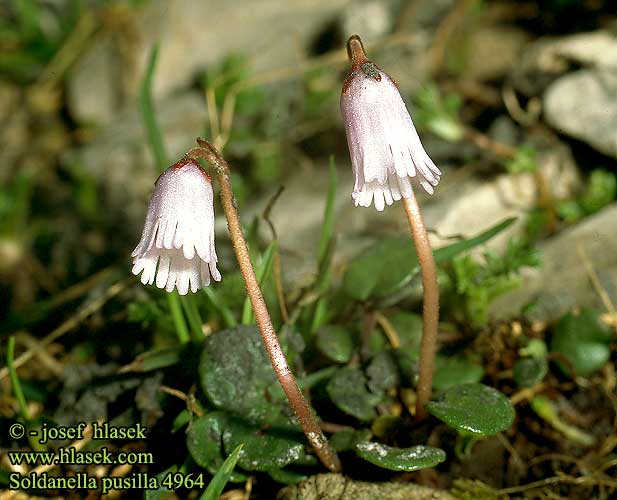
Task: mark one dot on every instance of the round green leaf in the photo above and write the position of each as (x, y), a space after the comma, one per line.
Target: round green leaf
(392, 262)
(348, 438)
(335, 342)
(381, 268)
(236, 375)
(382, 372)
(473, 408)
(529, 371)
(261, 451)
(347, 390)
(400, 459)
(204, 442)
(584, 339)
(409, 329)
(456, 370)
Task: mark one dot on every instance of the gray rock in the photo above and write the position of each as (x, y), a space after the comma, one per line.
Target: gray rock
(549, 58)
(563, 281)
(372, 19)
(338, 487)
(583, 105)
(492, 51)
(192, 35)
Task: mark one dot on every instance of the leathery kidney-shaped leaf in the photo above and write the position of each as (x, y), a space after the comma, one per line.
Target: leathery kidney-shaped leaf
(335, 342)
(584, 340)
(391, 262)
(473, 408)
(381, 265)
(347, 390)
(204, 440)
(262, 451)
(456, 370)
(236, 375)
(400, 459)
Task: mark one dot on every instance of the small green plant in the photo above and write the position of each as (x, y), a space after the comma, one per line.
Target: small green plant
(600, 191)
(476, 284)
(438, 113)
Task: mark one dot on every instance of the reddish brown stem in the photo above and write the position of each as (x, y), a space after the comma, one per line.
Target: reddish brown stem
(430, 309)
(286, 378)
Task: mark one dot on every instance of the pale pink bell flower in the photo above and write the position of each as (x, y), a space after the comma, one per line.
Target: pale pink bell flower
(386, 152)
(176, 249)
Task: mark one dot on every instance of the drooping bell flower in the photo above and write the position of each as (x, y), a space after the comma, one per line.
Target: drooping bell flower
(176, 249)
(386, 152)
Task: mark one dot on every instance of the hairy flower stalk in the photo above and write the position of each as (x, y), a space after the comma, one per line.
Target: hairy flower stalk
(176, 249)
(286, 378)
(386, 156)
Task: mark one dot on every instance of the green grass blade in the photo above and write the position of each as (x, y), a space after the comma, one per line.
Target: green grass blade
(176, 312)
(216, 486)
(148, 115)
(262, 271)
(192, 313)
(221, 307)
(447, 253)
(327, 228)
(15, 379)
(17, 391)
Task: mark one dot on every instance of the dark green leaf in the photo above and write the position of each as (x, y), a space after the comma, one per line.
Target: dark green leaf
(456, 370)
(162, 492)
(347, 390)
(335, 342)
(392, 262)
(384, 266)
(204, 440)
(473, 408)
(236, 375)
(262, 451)
(408, 326)
(400, 459)
(286, 476)
(529, 371)
(584, 339)
(382, 372)
(348, 438)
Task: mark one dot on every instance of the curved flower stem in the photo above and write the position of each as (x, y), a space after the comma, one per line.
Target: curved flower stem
(430, 309)
(286, 378)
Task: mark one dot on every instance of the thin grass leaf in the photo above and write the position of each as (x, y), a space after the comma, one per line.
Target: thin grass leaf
(148, 114)
(325, 252)
(263, 270)
(327, 228)
(221, 307)
(216, 486)
(447, 253)
(17, 391)
(192, 313)
(16, 386)
(176, 312)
